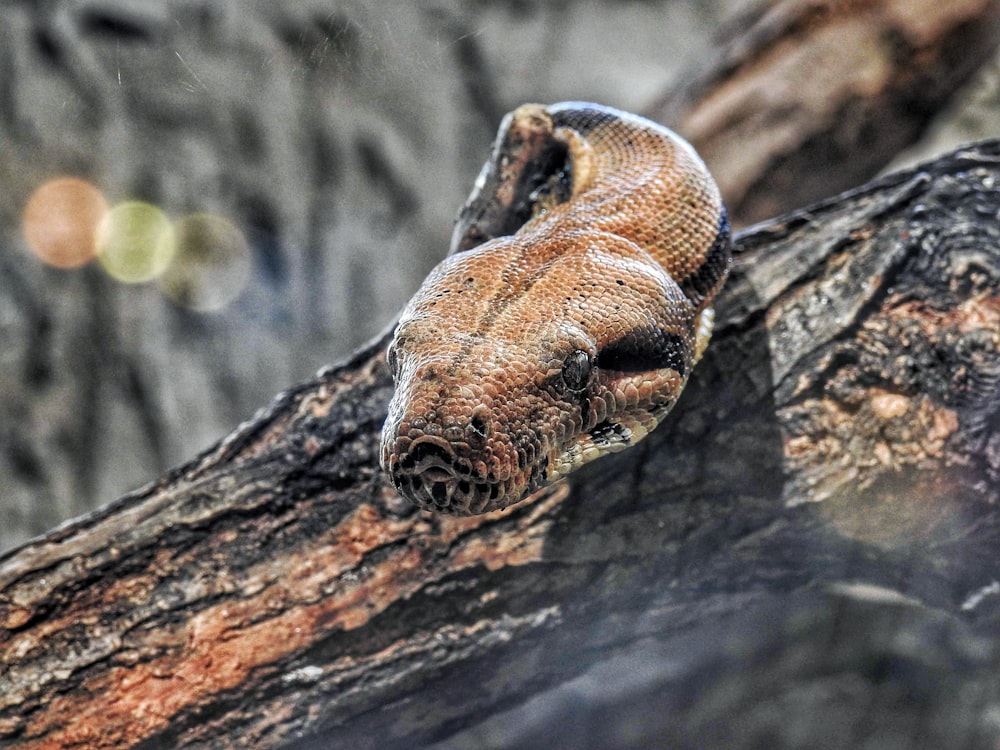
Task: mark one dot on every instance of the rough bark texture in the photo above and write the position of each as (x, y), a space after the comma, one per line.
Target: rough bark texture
(802, 555)
(800, 99)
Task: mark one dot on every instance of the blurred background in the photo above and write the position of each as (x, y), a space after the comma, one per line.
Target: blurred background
(206, 201)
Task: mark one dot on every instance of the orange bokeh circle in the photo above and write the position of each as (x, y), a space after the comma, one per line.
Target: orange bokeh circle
(61, 219)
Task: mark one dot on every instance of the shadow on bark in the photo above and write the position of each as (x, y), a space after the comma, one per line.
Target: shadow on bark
(809, 537)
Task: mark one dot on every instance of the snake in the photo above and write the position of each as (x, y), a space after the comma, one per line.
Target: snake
(565, 321)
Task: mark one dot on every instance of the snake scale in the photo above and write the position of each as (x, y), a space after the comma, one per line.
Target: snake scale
(566, 319)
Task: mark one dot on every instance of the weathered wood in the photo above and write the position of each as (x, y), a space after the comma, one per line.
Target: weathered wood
(843, 426)
(800, 99)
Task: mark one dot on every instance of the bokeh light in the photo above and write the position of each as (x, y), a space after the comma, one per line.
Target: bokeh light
(61, 221)
(212, 264)
(201, 262)
(135, 242)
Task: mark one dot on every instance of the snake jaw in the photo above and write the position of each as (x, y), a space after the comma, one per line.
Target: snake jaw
(619, 429)
(585, 449)
(482, 467)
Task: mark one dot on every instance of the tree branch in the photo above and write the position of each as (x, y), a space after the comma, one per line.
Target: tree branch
(843, 426)
(796, 101)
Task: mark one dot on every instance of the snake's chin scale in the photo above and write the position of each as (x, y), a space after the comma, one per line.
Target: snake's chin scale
(603, 440)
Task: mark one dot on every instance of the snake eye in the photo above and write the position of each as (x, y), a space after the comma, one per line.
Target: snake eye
(576, 370)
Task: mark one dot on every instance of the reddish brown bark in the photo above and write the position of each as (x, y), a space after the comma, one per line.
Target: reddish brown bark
(800, 99)
(843, 427)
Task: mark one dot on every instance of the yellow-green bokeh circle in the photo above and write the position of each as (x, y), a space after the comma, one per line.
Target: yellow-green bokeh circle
(135, 242)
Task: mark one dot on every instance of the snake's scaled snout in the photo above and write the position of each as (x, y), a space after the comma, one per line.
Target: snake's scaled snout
(436, 475)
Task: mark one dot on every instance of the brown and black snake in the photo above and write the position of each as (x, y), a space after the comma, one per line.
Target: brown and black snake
(566, 320)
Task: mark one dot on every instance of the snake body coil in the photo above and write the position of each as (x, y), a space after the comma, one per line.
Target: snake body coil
(566, 321)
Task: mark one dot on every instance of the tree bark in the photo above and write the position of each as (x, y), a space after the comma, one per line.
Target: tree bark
(800, 99)
(295, 121)
(841, 430)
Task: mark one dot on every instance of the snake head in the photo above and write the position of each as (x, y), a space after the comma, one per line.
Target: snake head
(511, 371)
(567, 320)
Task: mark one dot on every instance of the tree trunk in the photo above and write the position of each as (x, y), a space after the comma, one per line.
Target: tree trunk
(841, 430)
(800, 99)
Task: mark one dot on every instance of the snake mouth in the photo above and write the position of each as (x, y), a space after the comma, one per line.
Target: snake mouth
(605, 438)
(430, 473)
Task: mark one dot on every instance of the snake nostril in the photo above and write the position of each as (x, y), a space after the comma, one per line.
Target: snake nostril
(478, 426)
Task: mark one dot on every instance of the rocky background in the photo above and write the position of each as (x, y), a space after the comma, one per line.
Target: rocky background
(338, 138)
